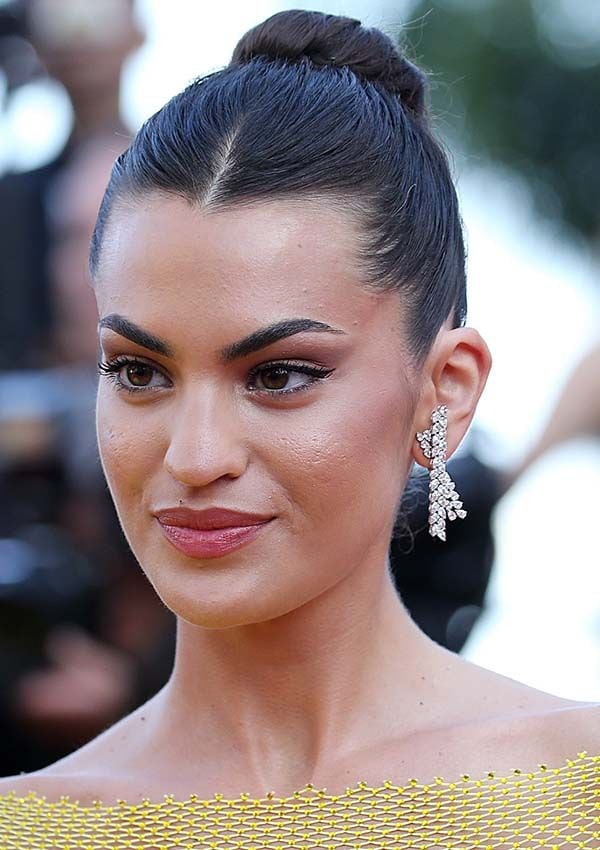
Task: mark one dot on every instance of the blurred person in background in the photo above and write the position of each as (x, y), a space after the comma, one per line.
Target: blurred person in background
(83, 45)
(574, 415)
(69, 661)
(61, 552)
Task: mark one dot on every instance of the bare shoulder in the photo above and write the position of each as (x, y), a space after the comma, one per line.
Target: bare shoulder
(17, 784)
(552, 736)
(22, 784)
(96, 770)
(574, 729)
(79, 787)
(516, 725)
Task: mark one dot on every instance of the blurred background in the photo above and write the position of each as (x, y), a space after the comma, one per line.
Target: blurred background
(516, 588)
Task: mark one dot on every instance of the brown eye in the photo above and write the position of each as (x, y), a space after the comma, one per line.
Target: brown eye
(275, 379)
(282, 379)
(128, 374)
(135, 373)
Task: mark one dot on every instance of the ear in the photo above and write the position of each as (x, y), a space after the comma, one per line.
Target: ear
(455, 374)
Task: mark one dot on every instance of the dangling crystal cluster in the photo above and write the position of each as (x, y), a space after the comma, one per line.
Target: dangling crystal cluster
(444, 501)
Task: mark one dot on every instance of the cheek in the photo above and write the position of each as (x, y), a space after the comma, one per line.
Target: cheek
(337, 465)
(126, 447)
(345, 463)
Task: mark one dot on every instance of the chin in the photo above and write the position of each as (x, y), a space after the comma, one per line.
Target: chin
(241, 598)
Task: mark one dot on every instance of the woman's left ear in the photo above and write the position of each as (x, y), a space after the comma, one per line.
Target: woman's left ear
(455, 374)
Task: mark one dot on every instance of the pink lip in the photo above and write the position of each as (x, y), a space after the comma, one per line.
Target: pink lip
(211, 532)
(210, 543)
(208, 518)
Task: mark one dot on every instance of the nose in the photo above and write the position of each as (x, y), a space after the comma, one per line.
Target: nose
(206, 439)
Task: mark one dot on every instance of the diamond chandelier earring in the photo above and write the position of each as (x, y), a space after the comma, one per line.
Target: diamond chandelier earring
(444, 500)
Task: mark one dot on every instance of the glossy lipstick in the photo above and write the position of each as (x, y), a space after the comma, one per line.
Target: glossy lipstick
(209, 533)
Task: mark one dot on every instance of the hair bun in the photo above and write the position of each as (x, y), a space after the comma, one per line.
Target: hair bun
(336, 41)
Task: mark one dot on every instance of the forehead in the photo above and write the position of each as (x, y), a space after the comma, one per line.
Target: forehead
(166, 260)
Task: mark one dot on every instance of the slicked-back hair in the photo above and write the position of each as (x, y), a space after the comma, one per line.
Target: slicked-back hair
(316, 107)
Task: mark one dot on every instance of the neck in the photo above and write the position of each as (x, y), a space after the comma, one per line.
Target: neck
(346, 671)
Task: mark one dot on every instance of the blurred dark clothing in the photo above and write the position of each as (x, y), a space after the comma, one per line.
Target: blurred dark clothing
(25, 302)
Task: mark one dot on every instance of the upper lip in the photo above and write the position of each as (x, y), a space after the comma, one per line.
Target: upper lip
(208, 518)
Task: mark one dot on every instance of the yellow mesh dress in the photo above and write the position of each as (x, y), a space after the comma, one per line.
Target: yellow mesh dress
(548, 807)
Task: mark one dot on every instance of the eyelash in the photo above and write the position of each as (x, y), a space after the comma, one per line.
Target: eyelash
(111, 369)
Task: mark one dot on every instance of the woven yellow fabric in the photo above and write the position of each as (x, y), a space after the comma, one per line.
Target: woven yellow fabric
(548, 807)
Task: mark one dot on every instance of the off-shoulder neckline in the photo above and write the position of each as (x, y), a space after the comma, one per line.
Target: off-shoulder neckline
(310, 790)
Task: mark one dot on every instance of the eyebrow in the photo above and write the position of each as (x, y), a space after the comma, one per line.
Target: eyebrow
(258, 339)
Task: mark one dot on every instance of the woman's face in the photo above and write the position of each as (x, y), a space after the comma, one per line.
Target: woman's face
(327, 460)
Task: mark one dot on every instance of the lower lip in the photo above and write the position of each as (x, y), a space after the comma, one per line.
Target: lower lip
(210, 543)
